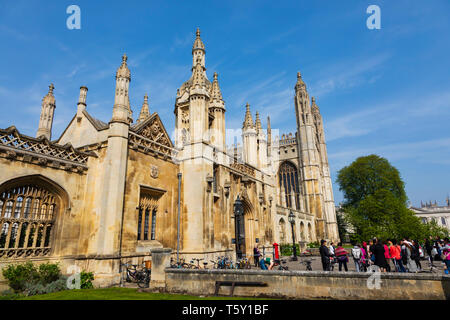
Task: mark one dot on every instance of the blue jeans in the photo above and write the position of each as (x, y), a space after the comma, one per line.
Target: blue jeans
(399, 265)
(357, 265)
(447, 263)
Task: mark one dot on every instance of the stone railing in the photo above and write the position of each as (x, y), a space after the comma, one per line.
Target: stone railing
(298, 284)
(14, 143)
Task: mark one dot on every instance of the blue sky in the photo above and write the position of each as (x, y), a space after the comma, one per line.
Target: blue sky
(380, 91)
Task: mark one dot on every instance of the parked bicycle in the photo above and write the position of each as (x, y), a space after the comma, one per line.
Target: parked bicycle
(140, 276)
(307, 263)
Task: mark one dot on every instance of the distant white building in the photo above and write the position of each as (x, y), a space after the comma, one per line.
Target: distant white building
(432, 211)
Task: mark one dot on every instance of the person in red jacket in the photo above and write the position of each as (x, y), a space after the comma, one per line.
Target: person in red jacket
(341, 255)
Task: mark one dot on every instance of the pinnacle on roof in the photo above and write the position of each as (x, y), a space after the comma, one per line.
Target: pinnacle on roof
(123, 71)
(198, 43)
(216, 93)
(300, 83)
(145, 113)
(248, 122)
(314, 106)
(49, 97)
(258, 122)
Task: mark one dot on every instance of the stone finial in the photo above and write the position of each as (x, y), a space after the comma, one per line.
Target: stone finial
(258, 122)
(49, 97)
(300, 83)
(215, 90)
(47, 111)
(145, 112)
(314, 106)
(123, 71)
(248, 122)
(198, 43)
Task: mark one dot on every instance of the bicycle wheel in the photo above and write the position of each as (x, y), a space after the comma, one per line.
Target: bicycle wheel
(144, 281)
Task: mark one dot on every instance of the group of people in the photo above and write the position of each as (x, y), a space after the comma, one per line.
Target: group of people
(390, 255)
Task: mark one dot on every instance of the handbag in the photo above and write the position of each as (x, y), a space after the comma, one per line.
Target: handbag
(372, 258)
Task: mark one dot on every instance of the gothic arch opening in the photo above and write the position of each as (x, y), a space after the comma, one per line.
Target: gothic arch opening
(288, 181)
(282, 230)
(310, 235)
(302, 231)
(29, 207)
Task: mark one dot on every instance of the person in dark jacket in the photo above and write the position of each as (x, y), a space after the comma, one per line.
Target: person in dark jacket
(325, 255)
(380, 258)
(256, 255)
(429, 248)
(417, 254)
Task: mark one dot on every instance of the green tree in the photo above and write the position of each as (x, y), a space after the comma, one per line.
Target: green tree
(365, 176)
(375, 202)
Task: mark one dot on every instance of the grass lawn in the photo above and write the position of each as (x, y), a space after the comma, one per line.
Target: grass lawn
(119, 294)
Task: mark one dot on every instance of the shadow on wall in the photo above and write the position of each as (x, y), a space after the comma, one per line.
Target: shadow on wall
(446, 288)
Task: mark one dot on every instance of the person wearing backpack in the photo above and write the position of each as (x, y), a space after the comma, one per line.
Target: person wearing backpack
(357, 256)
(409, 254)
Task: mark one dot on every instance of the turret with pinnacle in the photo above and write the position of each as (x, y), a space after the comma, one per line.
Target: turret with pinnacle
(47, 113)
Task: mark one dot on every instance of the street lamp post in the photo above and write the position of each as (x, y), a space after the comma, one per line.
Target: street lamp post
(291, 219)
(238, 212)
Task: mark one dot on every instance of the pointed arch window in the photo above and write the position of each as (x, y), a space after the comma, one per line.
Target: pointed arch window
(288, 179)
(27, 214)
(147, 213)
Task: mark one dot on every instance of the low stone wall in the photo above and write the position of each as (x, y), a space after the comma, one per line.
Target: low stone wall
(310, 285)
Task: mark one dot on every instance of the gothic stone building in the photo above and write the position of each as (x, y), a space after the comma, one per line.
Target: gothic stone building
(106, 193)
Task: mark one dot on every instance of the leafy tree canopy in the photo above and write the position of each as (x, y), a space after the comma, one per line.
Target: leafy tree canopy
(365, 176)
(375, 202)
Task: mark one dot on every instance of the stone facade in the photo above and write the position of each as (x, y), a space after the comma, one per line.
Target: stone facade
(433, 212)
(107, 193)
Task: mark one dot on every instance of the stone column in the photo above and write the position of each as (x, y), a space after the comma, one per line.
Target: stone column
(160, 261)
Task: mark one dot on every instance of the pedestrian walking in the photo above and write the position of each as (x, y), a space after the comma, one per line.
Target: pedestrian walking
(379, 254)
(429, 249)
(324, 255)
(397, 256)
(341, 255)
(416, 254)
(408, 250)
(357, 255)
(256, 255)
(387, 256)
(446, 255)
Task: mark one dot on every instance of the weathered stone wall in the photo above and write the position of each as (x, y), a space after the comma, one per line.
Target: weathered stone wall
(139, 176)
(310, 285)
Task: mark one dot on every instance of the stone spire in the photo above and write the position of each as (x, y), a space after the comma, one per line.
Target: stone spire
(198, 51)
(198, 76)
(248, 122)
(314, 106)
(269, 137)
(121, 110)
(47, 112)
(258, 123)
(145, 112)
(198, 43)
(300, 83)
(216, 94)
